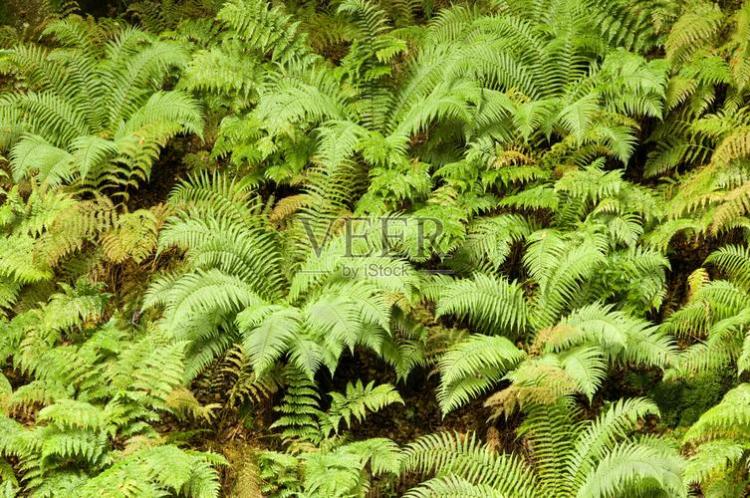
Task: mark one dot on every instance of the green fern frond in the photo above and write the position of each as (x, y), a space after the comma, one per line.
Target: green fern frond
(356, 402)
(472, 366)
(495, 304)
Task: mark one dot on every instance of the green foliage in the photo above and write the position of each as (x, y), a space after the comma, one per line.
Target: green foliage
(303, 421)
(356, 402)
(400, 83)
(243, 226)
(683, 401)
(157, 16)
(328, 465)
(92, 112)
(233, 287)
(486, 301)
(471, 366)
(716, 312)
(570, 358)
(597, 458)
(719, 460)
(95, 389)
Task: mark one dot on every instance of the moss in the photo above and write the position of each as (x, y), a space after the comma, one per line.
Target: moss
(683, 401)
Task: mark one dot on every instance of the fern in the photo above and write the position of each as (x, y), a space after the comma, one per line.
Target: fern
(93, 384)
(356, 402)
(472, 366)
(494, 303)
(509, 197)
(571, 357)
(299, 409)
(134, 237)
(101, 120)
(569, 459)
(716, 314)
(237, 280)
(719, 433)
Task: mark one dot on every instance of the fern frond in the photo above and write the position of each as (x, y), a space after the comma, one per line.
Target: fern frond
(356, 402)
(472, 366)
(494, 304)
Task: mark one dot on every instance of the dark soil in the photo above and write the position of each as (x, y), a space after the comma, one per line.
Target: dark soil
(167, 172)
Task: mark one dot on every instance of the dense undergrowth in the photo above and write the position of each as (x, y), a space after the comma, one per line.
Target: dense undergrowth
(369, 248)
